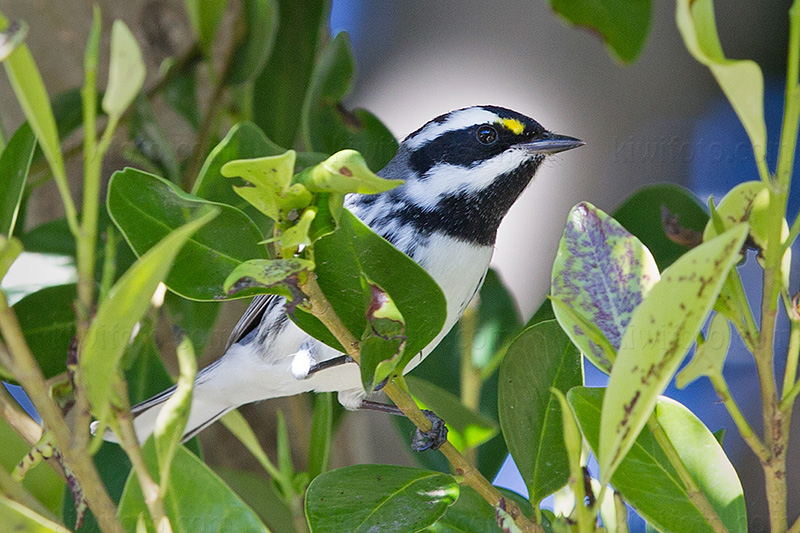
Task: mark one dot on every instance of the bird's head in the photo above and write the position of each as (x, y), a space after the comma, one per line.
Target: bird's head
(465, 169)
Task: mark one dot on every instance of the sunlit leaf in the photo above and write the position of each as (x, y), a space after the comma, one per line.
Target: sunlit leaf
(11, 37)
(345, 172)
(17, 517)
(660, 333)
(602, 272)
(126, 71)
(385, 498)
(709, 357)
(268, 276)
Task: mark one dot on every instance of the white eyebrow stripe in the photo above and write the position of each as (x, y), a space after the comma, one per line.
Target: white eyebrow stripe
(457, 120)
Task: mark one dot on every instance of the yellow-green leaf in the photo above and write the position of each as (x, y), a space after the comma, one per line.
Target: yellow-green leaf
(660, 333)
(17, 517)
(126, 303)
(268, 276)
(125, 72)
(709, 358)
(345, 172)
(740, 80)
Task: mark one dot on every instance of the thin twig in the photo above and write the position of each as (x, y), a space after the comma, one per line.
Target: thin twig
(745, 430)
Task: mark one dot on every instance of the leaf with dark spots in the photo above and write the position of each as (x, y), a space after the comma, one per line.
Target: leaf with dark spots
(384, 339)
(269, 276)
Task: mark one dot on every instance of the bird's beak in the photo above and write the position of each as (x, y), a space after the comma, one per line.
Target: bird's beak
(552, 143)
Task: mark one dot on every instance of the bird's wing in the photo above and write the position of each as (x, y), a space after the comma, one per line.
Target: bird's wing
(251, 318)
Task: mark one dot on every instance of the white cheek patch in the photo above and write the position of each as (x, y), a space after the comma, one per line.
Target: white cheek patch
(444, 179)
(457, 120)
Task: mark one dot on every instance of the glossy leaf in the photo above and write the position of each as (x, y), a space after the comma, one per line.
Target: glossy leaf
(327, 126)
(271, 190)
(340, 259)
(623, 25)
(26, 81)
(261, 25)
(642, 214)
(385, 498)
(467, 429)
(14, 164)
(540, 358)
(268, 276)
(281, 86)
(319, 446)
(146, 208)
(126, 71)
(214, 508)
(470, 514)
(260, 494)
(17, 517)
(740, 80)
(124, 306)
(47, 318)
(345, 172)
(660, 333)
(205, 16)
(709, 357)
(646, 478)
(602, 272)
(12, 36)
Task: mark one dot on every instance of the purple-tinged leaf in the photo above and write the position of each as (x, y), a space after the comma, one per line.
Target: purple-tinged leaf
(602, 272)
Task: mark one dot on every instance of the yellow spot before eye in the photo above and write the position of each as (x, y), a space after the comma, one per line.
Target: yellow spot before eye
(513, 124)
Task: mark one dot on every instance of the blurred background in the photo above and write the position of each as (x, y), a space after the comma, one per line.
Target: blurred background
(660, 119)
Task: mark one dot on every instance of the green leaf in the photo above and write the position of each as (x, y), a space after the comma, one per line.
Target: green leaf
(26, 81)
(47, 318)
(646, 478)
(243, 141)
(126, 71)
(353, 249)
(205, 16)
(384, 338)
(602, 272)
(467, 429)
(260, 494)
(643, 212)
(385, 498)
(9, 251)
(237, 424)
(271, 190)
(213, 507)
(740, 80)
(150, 144)
(181, 91)
(319, 446)
(261, 26)
(539, 359)
(709, 358)
(623, 24)
(14, 165)
(268, 276)
(17, 517)
(172, 418)
(281, 86)
(12, 36)
(146, 208)
(470, 514)
(196, 319)
(127, 301)
(345, 172)
(327, 126)
(660, 333)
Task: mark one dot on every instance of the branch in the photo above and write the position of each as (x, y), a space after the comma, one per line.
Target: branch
(321, 308)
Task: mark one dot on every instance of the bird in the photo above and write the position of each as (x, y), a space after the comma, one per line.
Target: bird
(461, 173)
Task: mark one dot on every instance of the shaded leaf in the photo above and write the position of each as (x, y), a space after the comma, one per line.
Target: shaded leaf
(384, 338)
(642, 215)
(646, 478)
(385, 498)
(466, 428)
(470, 514)
(212, 509)
(181, 91)
(326, 125)
(660, 333)
(17, 517)
(740, 80)
(259, 494)
(14, 164)
(126, 71)
(540, 358)
(281, 86)
(268, 276)
(125, 304)
(146, 208)
(150, 141)
(623, 24)
(205, 16)
(319, 445)
(196, 319)
(261, 26)
(602, 272)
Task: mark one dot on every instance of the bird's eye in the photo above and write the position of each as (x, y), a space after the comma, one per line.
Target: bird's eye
(487, 135)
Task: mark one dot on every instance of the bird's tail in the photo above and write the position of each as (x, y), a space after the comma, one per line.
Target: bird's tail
(206, 409)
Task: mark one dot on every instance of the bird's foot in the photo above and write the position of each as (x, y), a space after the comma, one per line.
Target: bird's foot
(433, 439)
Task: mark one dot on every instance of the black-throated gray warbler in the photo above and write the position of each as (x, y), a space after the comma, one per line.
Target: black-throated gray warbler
(462, 171)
